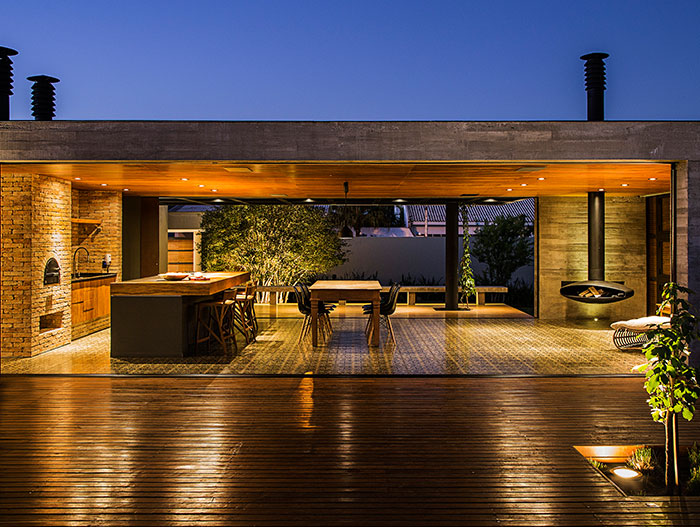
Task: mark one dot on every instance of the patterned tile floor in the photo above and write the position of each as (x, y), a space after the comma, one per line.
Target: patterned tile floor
(428, 342)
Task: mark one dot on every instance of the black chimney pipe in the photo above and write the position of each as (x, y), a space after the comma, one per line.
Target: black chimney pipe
(596, 236)
(5, 81)
(595, 85)
(43, 97)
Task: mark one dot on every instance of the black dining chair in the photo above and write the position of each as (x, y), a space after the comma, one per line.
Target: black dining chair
(386, 309)
(304, 305)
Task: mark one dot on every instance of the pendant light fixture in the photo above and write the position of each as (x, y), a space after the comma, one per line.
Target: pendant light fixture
(346, 232)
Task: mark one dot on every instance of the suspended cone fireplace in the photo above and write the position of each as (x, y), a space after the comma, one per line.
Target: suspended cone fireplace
(596, 290)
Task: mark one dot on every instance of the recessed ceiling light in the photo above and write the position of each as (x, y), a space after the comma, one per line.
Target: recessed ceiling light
(103, 184)
(201, 186)
(601, 190)
(399, 200)
(214, 190)
(523, 184)
(77, 178)
(218, 200)
(625, 185)
(540, 179)
(125, 189)
(184, 179)
(652, 179)
(509, 190)
(489, 200)
(309, 200)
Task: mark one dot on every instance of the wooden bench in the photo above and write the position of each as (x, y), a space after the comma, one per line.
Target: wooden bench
(410, 290)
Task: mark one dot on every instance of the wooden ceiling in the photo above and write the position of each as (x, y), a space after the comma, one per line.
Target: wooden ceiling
(411, 180)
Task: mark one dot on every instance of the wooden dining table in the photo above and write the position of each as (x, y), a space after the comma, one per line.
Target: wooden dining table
(349, 290)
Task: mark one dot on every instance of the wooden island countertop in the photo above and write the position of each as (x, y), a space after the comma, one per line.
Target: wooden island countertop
(156, 285)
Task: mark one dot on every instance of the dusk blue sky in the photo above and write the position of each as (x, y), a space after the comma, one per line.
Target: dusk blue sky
(355, 60)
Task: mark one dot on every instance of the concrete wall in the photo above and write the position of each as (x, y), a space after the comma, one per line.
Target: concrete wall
(391, 258)
(563, 246)
(35, 227)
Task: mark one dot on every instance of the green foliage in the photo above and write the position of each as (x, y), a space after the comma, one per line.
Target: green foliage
(466, 273)
(643, 459)
(409, 279)
(597, 464)
(671, 383)
(358, 216)
(278, 244)
(504, 246)
(694, 456)
(693, 486)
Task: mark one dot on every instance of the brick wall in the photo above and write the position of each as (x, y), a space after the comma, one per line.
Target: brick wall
(35, 227)
(105, 206)
(563, 253)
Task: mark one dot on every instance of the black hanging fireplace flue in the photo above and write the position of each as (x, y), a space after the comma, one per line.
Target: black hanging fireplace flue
(596, 290)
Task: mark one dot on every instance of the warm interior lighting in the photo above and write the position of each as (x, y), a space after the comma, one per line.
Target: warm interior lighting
(103, 184)
(214, 190)
(201, 186)
(77, 178)
(237, 169)
(125, 189)
(625, 472)
(184, 179)
(601, 190)
(509, 190)
(523, 184)
(309, 200)
(218, 200)
(278, 195)
(652, 179)
(399, 200)
(625, 185)
(540, 179)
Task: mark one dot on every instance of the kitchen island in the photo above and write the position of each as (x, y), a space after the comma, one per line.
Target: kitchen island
(155, 317)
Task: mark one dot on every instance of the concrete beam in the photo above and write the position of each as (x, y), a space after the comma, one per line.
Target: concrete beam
(347, 141)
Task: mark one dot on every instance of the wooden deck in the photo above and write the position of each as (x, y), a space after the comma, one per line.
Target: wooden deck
(321, 451)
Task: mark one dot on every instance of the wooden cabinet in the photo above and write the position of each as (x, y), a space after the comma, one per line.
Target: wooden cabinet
(90, 303)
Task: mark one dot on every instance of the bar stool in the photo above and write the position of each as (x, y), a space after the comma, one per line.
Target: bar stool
(243, 312)
(214, 320)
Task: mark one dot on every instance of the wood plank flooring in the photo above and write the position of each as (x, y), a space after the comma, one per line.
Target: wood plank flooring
(321, 451)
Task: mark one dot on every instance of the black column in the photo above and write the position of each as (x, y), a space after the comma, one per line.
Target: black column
(451, 253)
(596, 235)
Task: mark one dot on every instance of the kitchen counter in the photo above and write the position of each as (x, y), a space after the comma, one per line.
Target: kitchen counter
(156, 285)
(154, 317)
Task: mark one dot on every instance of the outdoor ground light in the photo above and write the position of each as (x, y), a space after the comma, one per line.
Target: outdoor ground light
(626, 472)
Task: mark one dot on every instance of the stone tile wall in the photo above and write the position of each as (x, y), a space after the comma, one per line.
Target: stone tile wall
(563, 255)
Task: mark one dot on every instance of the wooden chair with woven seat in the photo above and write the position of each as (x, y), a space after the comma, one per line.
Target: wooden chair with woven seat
(243, 311)
(214, 321)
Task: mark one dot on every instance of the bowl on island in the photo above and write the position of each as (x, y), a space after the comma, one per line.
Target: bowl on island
(175, 276)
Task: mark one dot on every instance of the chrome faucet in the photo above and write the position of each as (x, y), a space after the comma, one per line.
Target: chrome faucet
(76, 272)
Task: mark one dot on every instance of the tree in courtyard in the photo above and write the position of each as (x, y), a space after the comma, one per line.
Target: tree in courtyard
(277, 244)
(504, 246)
(672, 384)
(466, 274)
